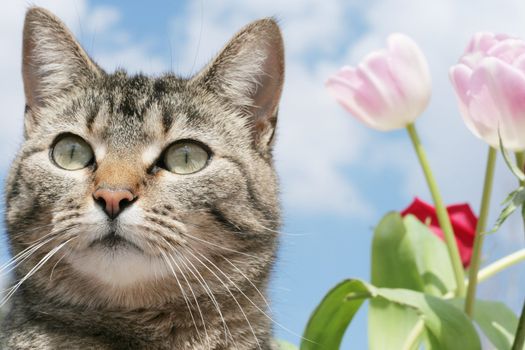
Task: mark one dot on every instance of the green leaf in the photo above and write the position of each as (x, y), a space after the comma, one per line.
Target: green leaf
(407, 254)
(513, 201)
(495, 319)
(447, 327)
(510, 164)
(284, 345)
(393, 256)
(391, 321)
(329, 321)
(432, 258)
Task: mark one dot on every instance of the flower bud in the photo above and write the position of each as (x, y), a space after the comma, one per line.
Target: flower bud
(489, 81)
(389, 88)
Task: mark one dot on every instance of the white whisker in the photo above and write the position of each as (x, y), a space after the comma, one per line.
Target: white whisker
(194, 298)
(249, 281)
(255, 305)
(165, 257)
(54, 266)
(219, 246)
(22, 256)
(231, 294)
(31, 272)
(208, 290)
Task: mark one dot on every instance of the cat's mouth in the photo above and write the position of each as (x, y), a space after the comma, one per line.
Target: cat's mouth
(114, 241)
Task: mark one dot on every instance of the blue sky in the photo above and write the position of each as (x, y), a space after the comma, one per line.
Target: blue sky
(338, 178)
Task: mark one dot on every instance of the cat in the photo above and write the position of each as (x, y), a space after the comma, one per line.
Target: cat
(143, 212)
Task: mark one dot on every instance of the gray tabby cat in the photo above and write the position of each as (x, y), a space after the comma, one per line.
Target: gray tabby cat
(143, 212)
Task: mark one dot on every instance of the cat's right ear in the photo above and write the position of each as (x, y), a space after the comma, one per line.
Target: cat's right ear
(53, 62)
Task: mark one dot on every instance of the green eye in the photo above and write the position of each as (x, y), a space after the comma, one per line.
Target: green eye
(185, 158)
(71, 152)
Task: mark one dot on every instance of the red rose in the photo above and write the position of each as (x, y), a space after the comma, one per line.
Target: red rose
(463, 221)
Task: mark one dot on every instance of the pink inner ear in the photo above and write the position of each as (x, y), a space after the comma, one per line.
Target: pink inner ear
(267, 94)
(266, 97)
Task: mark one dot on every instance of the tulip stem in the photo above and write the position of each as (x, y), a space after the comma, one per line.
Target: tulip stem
(413, 338)
(441, 212)
(520, 160)
(495, 268)
(519, 339)
(501, 264)
(480, 229)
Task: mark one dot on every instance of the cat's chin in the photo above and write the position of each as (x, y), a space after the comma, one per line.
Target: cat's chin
(117, 263)
(113, 243)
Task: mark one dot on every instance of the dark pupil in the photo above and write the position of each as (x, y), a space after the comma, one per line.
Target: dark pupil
(72, 151)
(186, 154)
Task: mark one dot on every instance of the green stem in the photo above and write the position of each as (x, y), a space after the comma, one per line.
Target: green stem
(495, 268)
(501, 265)
(520, 161)
(414, 336)
(519, 339)
(480, 228)
(441, 212)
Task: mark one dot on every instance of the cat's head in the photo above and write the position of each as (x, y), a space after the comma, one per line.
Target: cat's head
(124, 184)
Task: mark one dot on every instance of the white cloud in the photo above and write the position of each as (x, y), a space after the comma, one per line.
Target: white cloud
(102, 18)
(133, 58)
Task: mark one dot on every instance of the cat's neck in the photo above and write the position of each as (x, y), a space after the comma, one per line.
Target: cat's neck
(213, 322)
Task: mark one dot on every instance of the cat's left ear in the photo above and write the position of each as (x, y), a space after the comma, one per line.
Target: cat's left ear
(249, 72)
(53, 62)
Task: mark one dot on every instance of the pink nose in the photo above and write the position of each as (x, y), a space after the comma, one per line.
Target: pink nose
(113, 201)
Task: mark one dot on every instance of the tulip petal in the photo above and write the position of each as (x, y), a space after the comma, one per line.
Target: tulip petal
(498, 102)
(344, 92)
(348, 74)
(410, 70)
(460, 76)
(481, 41)
(375, 70)
(519, 63)
(354, 92)
(507, 50)
(465, 223)
(479, 46)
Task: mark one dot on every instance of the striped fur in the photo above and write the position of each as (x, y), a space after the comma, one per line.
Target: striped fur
(204, 243)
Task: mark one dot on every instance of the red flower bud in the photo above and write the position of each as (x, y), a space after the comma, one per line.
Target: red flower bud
(463, 221)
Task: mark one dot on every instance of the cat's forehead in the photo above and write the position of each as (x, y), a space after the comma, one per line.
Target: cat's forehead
(125, 111)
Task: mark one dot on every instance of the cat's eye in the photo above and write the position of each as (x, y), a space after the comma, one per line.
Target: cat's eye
(71, 152)
(185, 157)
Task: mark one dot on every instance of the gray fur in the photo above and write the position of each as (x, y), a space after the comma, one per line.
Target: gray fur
(212, 232)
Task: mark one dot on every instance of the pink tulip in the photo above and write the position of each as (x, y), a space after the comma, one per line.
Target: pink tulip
(389, 89)
(489, 81)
